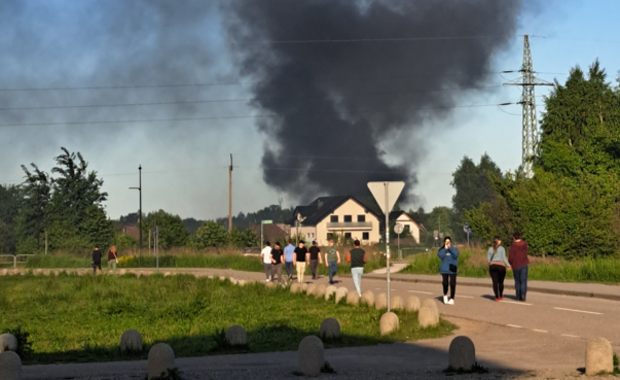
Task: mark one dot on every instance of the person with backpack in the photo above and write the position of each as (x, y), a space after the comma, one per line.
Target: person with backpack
(449, 256)
(517, 256)
(357, 257)
(498, 264)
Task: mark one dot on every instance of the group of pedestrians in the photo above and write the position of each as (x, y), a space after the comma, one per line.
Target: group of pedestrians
(112, 259)
(299, 257)
(499, 263)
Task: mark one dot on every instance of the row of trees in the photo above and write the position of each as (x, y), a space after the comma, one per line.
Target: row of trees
(571, 206)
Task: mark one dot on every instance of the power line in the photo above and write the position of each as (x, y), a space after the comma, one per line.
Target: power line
(239, 82)
(129, 121)
(354, 94)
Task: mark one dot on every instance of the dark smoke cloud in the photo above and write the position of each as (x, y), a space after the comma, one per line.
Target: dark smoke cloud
(338, 102)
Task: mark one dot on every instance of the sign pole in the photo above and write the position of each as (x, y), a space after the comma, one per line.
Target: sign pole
(387, 241)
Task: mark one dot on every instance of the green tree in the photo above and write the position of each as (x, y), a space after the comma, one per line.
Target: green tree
(243, 238)
(32, 217)
(11, 199)
(472, 184)
(172, 231)
(210, 234)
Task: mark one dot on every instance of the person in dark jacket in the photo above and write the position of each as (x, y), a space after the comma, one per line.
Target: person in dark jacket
(517, 257)
(97, 260)
(449, 256)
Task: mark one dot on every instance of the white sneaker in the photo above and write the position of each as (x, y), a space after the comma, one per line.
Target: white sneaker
(267, 280)
(445, 300)
(451, 301)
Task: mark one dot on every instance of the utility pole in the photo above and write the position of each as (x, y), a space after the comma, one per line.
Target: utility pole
(230, 169)
(139, 188)
(530, 130)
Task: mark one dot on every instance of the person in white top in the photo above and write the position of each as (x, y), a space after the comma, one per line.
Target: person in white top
(265, 254)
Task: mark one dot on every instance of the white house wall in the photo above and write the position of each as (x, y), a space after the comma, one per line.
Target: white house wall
(413, 227)
(354, 209)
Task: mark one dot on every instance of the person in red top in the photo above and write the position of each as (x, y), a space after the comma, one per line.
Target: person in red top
(517, 257)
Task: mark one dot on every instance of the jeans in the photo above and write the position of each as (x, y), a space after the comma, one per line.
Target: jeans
(112, 265)
(96, 264)
(289, 269)
(498, 274)
(301, 268)
(333, 268)
(356, 273)
(313, 265)
(452, 278)
(276, 269)
(267, 270)
(521, 282)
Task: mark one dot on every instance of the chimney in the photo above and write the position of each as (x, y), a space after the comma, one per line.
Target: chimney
(320, 204)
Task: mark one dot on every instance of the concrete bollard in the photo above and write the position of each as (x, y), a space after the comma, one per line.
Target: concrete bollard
(310, 356)
(161, 359)
(122, 272)
(353, 298)
(319, 291)
(599, 357)
(428, 317)
(341, 293)
(430, 303)
(236, 336)
(381, 301)
(4, 272)
(311, 289)
(8, 342)
(10, 366)
(131, 341)
(397, 303)
(413, 303)
(462, 353)
(329, 291)
(330, 329)
(241, 283)
(295, 288)
(303, 288)
(368, 298)
(167, 274)
(388, 323)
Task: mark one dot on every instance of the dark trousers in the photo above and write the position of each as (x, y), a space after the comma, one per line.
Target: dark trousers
(498, 274)
(276, 269)
(267, 270)
(452, 278)
(333, 268)
(521, 282)
(290, 269)
(96, 264)
(313, 265)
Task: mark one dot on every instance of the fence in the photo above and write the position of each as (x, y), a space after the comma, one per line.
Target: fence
(14, 260)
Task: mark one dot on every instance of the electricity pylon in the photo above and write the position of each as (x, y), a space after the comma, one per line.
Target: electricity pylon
(528, 100)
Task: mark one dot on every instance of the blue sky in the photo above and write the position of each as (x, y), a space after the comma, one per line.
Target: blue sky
(68, 43)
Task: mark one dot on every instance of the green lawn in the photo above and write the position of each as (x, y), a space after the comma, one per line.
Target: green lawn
(77, 319)
(473, 264)
(236, 262)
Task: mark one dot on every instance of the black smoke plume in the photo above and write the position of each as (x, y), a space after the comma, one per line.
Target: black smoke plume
(337, 102)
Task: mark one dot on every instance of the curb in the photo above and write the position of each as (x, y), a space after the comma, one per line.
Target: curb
(611, 297)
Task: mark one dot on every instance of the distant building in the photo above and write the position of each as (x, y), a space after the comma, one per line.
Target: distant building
(343, 215)
(410, 225)
(272, 232)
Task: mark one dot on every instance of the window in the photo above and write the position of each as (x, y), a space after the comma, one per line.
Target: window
(348, 218)
(365, 236)
(334, 219)
(406, 228)
(361, 218)
(347, 235)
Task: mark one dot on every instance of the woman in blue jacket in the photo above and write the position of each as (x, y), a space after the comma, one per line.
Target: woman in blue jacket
(449, 256)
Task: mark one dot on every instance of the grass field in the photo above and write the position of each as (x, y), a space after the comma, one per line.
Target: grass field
(78, 319)
(223, 261)
(472, 263)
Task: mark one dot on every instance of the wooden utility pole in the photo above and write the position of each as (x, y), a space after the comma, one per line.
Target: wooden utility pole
(230, 169)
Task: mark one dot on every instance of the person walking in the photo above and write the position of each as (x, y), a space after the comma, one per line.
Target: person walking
(357, 257)
(315, 259)
(289, 259)
(332, 259)
(265, 254)
(498, 265)
(449, 256)
(300, 258)
(277, 258)
(112, 258)
(96, 260)
(517, 257)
